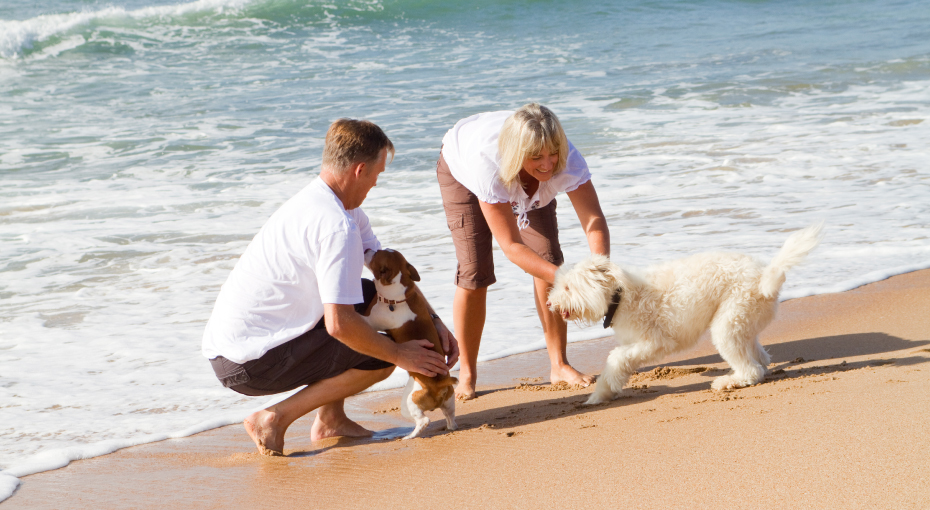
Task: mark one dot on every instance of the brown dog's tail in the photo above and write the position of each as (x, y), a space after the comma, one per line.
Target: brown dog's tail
(445, 389)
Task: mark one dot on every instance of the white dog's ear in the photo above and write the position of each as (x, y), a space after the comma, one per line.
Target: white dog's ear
(599, 262)
(602, 264)
(582, 292)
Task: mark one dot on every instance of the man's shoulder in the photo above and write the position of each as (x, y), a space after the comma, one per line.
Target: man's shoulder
(314, 208)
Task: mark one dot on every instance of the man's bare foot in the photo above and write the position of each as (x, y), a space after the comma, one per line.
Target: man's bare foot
(334, 426)
(263, 428)
(465, 391)
(567, 374)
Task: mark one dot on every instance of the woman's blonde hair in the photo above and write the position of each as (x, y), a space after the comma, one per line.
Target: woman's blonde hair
(524, 135)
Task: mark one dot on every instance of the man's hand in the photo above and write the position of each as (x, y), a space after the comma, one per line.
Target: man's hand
(350, 328)
(449, 344)
(418, 356)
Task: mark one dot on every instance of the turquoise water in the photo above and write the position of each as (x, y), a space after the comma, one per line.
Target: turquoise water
(143, 143)
(124, 77)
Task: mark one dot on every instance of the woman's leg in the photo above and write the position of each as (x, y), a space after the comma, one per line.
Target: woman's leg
(469, 309)
(542, 236)
(474, 273)
(555, 332)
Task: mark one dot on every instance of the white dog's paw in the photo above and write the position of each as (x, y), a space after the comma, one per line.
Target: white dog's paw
(731, 382)
(723, 383)
(598, 398)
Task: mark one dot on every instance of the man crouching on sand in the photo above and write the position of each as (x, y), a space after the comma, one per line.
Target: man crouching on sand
(287, 316)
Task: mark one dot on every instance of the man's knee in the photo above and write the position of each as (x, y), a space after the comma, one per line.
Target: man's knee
(384, 373)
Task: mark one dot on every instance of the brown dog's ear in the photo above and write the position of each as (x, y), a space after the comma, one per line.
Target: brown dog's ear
(414, 275)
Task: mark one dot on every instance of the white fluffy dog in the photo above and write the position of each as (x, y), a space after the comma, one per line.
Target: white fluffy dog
(666, 308)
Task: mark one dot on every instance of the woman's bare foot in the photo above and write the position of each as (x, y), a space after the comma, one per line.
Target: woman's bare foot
(567, 374)
(264, 429)
(333, 423)
(465, 391)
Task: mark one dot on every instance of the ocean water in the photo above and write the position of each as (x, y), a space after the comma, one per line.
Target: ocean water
(144, 142)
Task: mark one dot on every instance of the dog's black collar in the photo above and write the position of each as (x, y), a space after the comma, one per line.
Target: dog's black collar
(612, 309)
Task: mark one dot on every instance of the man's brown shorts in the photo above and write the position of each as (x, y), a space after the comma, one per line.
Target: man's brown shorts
(472, 236)
(307, 359)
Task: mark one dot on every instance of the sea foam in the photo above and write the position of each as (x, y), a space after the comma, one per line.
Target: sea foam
(16, 37)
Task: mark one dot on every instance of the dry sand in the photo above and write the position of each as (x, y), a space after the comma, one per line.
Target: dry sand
(842, 421)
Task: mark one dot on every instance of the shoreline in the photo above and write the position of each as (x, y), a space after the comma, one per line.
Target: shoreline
(48, 460)
(807, 339)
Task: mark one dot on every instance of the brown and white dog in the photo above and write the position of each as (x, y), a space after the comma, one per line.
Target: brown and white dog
(401, 311)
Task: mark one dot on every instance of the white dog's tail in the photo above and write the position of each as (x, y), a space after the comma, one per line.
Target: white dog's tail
(791, 254)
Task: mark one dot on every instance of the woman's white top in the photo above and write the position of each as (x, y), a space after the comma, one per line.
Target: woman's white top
(470, 150)
(308, 253)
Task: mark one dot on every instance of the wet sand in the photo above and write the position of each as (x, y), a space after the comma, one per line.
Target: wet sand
(842, 421)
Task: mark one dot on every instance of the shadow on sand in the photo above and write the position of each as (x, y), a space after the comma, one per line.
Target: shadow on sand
(784, 356)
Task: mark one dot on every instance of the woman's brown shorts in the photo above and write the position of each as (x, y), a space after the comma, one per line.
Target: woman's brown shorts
(472, 237)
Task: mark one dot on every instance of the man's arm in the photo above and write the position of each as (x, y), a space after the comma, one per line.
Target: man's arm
(347, 326)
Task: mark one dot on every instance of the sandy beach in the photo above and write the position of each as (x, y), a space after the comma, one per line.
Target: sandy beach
(841, 421)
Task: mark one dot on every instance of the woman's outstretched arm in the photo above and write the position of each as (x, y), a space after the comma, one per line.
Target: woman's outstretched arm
(504, 228)
(588, 208)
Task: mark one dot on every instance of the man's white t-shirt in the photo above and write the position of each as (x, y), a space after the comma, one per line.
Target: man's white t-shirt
(470, 150)
(310, 252)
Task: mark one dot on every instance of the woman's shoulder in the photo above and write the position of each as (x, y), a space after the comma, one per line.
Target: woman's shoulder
(470, 149)
(575, 163)
(575, 174)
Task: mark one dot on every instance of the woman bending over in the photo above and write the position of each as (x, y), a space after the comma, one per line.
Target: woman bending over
(499, 174)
